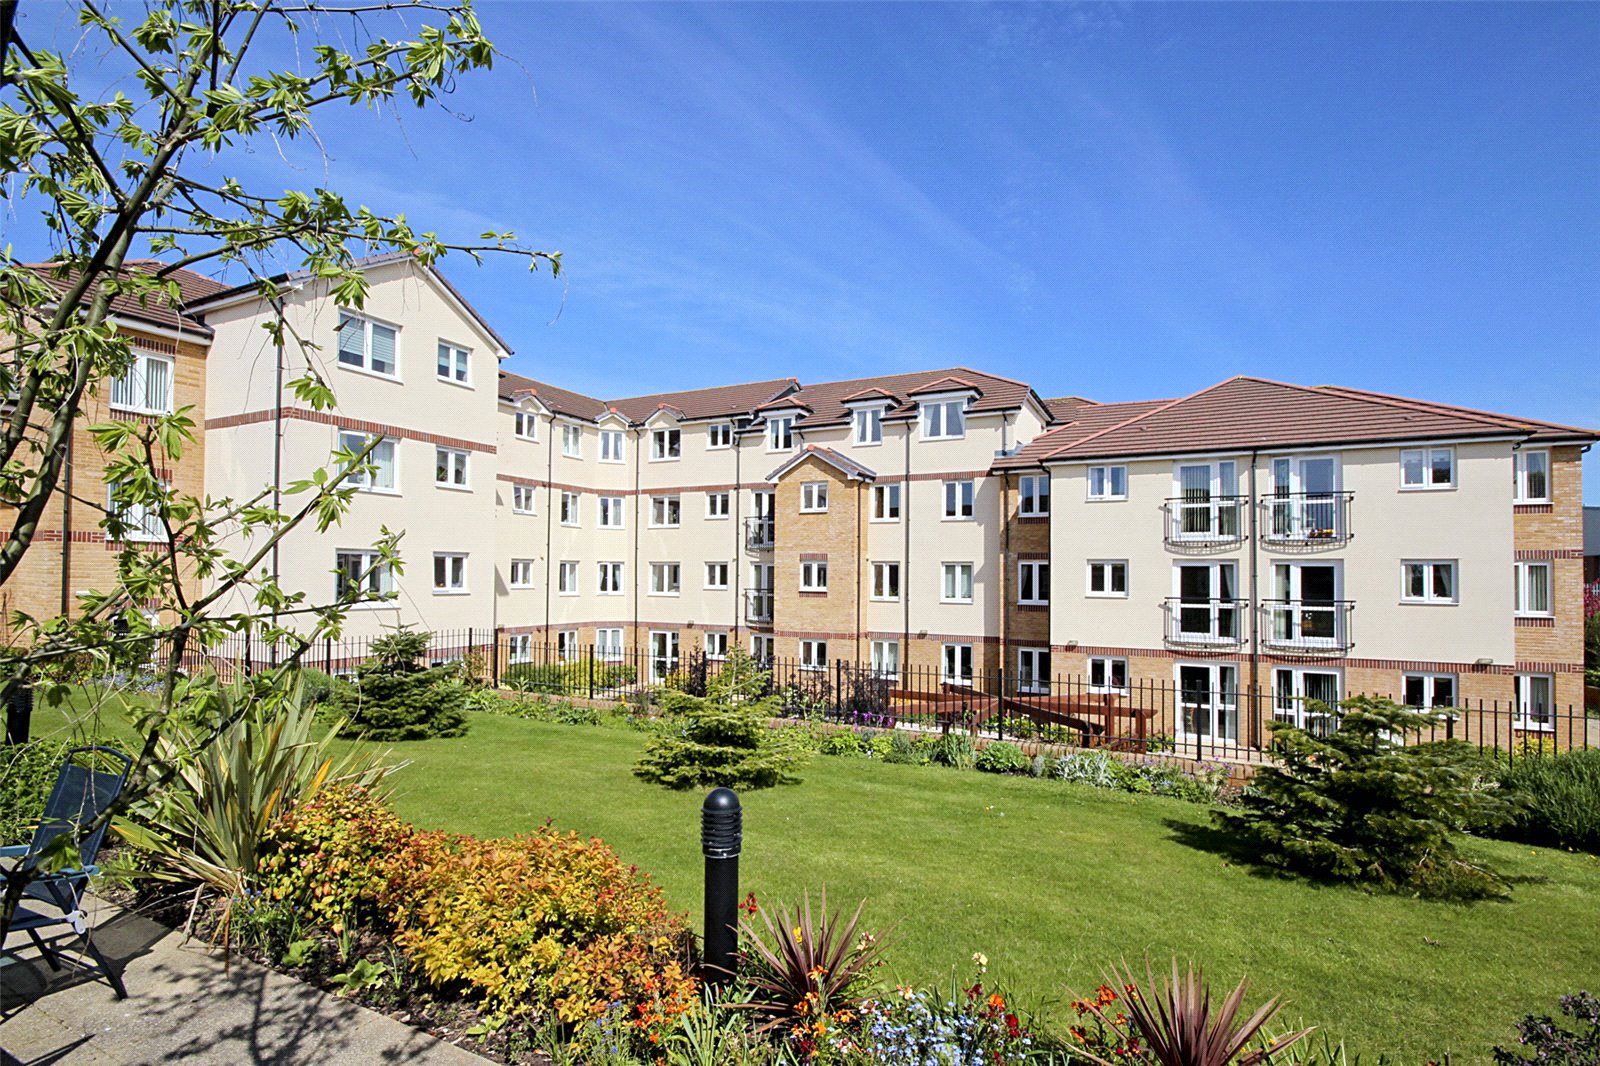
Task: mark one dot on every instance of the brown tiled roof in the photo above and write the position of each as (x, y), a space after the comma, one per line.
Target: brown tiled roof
(1246, 413)
(154, 309)
(843, 463)
(706, 403)
(561, 401)
(1061, 407)
(1540, 430)
(826, 398)
(1084, 419)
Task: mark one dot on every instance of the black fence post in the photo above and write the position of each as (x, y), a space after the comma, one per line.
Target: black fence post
(721, 839)
(19, 714)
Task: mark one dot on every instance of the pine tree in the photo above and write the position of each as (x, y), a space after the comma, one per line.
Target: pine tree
(395, 698)
(1363, 805)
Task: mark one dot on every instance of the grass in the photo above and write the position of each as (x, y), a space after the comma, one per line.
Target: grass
(1051, 881)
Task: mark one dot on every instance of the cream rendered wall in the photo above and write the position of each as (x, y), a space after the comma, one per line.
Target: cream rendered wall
(417, 403)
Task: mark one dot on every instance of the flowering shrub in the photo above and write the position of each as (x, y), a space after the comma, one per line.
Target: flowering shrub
(970, 1026)
(1002, 757)
(324, 859)
(1201, 784)
(1549, 1043)
(542, 918)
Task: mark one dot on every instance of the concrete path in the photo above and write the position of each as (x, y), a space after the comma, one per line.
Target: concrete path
(183, 1007)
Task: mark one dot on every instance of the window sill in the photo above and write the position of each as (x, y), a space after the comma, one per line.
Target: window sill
(813, 510)
(119, 409)
(1105, 595)
(525, 438)
(958, 603)
(393, 379)
(883, 521)
(1032, 517)
(530, 514)
(365, 491)
(716, 518)
(948, 518)
(452, 592)
(666, 459)
(813, 592)
(452, 488)
(1428, 488)
(883, 599)
(452, 381)
(520, 588)
(665, 595)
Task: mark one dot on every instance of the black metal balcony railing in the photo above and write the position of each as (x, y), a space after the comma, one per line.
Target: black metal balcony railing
(758, 605)
(1201, 520)
(1308, 626)
(1307, 517)
(759, 533)
(1215, 622)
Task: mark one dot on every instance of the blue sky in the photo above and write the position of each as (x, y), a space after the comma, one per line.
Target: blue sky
(1120, 201)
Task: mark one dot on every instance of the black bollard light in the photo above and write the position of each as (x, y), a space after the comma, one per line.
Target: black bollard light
(721, 834)
(19, 714)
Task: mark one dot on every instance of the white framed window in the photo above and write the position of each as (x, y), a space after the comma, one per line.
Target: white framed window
(450, 468)
(1108, 577)
(1033, 669)
(956, 664)
(519, 647)
(956, 583)
(886, 581)
(886, 659)
(567, 577)
(1427, 468)
(1532, 589)
(1206, 504)
(813, 497)
(361, 572)
(1428, 691)
(716, 575)
(368, 345)
(761, 647)
(1033, 495)
(1536, 702)
(1297, 692)
(665, 445)
(608, 578)
(146, 386)
(1108, 483)
(524, 499)
(944, 419)
(1108, 674)
(449, 572)
(527, 425)
(572, 441)
(886, 503)
(780, 433)
(666, 512)
(958, 501)
(381, 477)
(608, 644)
(1428, 581)
(522, 573)
(1207, 610)
(1033, 582)
(718, 505)
(716, 645)
(664, 579)
(868, 425)
(813, 655)
(571, 515)
(612, 449)
(454, 364)
(1531, 471)
(719, 435)
(1305, 607)
(663, 654)
(814, 575)
(611, 512)
(567, 645)
(1208, 701)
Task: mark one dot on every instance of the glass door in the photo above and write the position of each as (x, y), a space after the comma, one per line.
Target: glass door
(663, 655)
(1305, 498)
(1207, 503)
(1208, 702)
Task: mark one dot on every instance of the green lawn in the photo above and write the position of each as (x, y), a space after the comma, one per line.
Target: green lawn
(1050, 880)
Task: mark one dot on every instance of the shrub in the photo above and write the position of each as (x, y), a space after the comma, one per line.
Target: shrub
(1088, 768)
(546, 918)
(963, 1024)
(910, 749)
(1551, 1043)
(1557, 798)
(324, 858)
(1359, 805)
(1002, 757)
(395, 698)
(569, 678)
(952, 749)
(845, 742)
(315, 686)
(722, 739)
(30, 774)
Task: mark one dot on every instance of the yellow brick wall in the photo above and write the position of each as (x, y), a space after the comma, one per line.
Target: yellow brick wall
(838, 533)
(1558, 529)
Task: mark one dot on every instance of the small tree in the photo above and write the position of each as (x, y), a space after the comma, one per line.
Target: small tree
(396, 698)
(1362, 805)
(724, 738)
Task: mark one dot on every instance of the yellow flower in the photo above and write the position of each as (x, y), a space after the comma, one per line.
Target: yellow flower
(981, 959)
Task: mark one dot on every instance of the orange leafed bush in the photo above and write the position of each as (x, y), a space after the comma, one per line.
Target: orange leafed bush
(326, 856)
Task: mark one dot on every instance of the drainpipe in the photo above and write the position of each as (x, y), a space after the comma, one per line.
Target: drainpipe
(549, 518)
(277, 437)
(1255, 604)
(905, 565)
(66, 517)
(638, 520)
(1005, 570)
(738, 540)
(860, 518)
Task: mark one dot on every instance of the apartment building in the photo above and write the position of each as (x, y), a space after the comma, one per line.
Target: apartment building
(72, 553)
(1314, 542)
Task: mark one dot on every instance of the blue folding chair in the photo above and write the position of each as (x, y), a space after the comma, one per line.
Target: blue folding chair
(55, 900)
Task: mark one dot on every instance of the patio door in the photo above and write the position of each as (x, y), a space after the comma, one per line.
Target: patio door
(1208, 701)
(1305, 610)
(663, 655)
(1305, 501)
(1207, 608)
(1208, 508)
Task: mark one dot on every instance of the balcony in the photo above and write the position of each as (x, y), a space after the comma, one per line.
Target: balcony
(759, 533)
(1205, 623)
(1308, 519)
(1204, 521)
(758, 606)
(1308, 627)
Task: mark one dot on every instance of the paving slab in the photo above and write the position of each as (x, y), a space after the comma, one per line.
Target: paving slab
(184, 1005)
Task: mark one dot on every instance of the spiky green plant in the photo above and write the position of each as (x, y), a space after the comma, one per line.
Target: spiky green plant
(806, 966)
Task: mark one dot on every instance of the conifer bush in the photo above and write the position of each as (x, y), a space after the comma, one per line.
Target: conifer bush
(1361, 805)
(395, 697)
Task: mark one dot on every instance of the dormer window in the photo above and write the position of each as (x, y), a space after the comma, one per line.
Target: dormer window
(527, 425)
(666, 444)
(869, 425)
(780, 433)
(944, 419)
